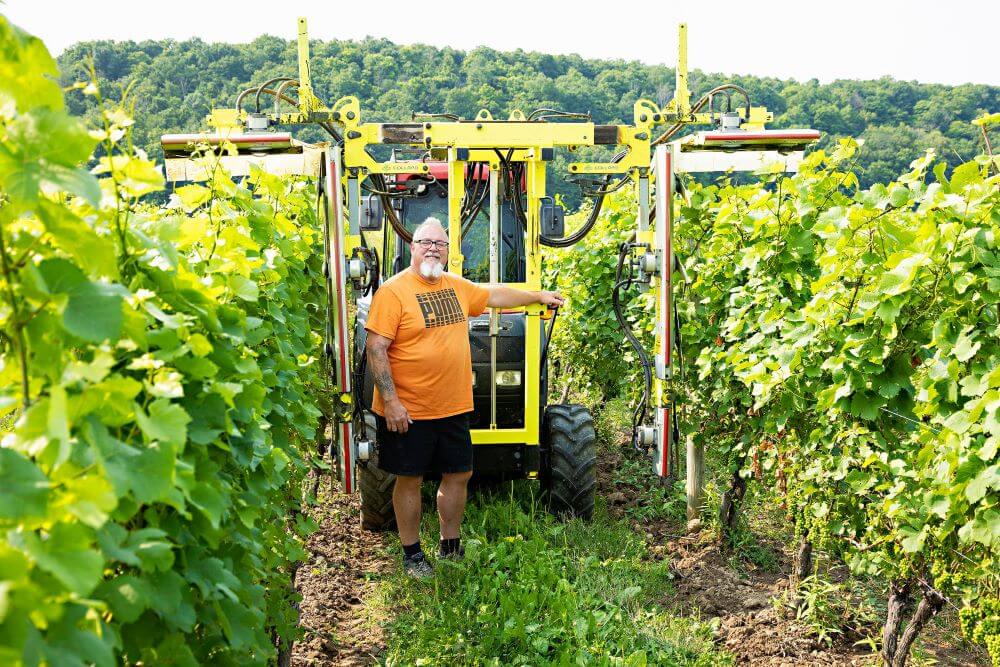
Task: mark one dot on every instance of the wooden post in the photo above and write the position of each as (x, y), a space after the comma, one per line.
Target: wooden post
(695, 479)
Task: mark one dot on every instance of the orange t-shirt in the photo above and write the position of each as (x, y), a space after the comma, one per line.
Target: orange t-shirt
(430, 357)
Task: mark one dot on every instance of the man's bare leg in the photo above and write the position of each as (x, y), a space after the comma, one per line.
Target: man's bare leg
(451, 497)
(406, 504)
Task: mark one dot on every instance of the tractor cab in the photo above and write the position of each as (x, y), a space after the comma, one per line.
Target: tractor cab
(419, 195)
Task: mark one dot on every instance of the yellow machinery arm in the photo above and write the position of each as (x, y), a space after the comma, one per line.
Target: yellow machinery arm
(484, 131)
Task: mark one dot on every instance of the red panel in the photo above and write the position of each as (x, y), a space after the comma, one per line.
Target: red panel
(345, 436)
(767, 135)
(343, 372)
(664, 439)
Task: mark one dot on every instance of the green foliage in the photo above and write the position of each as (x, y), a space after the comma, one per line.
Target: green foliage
(847, 340)
(535, 591)
(588, 343)
(841, 344)
(817, 607)
(157, 392)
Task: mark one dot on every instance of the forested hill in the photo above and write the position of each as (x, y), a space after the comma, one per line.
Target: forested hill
(176, 83)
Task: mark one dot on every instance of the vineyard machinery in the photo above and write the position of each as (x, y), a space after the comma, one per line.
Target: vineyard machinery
(486, 177)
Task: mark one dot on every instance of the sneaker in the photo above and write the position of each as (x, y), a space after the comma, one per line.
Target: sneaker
(417, 566)
(454, 556)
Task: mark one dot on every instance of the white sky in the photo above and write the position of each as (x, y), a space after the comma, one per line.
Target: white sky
(931, 42)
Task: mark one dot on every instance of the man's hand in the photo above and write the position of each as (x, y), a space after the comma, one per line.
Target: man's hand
(551, 299)
(397, 419)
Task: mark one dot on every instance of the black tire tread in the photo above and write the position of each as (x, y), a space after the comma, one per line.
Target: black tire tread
(376, 487)
(571, 481)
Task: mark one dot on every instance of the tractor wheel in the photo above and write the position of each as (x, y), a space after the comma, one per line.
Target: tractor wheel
(569, 476)
(376, 489)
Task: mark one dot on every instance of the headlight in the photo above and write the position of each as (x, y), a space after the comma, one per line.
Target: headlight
(473, 379)
(508, 378)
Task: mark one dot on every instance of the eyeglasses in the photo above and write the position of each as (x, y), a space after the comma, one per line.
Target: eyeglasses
(427, 244)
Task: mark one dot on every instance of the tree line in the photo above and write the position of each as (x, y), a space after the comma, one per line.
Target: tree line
(176, 83)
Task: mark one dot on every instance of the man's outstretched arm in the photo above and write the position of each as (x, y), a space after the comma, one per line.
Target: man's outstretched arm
(396, 416)
(508, 297)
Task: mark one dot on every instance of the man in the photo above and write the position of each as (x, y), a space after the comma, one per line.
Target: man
(419, 355)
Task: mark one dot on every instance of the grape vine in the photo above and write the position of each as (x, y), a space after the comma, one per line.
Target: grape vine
(844, 345)
(158, 378)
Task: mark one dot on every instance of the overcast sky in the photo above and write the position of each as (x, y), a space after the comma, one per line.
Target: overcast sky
(930, 42)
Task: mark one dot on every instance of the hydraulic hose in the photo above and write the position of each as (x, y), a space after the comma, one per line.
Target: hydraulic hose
(548, 338)
(387, 210)
(476, 191)
(544, 113)
(264, 85)
(595, 212)
(705, 99)
(259, 89)
(285, 84)
(639, 412)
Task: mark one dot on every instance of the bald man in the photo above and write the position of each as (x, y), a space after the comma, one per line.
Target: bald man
(418, 351)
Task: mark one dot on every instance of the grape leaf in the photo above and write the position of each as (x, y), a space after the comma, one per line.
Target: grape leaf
(66, 553)
(25, 487)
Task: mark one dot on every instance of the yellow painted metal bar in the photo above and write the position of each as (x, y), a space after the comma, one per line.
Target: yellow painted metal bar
(307, 101)
(638, 148)
(532, 377)
(504, 436)
(456, 191)
(351, 241)
(681, 92)
(355, 155)
(535, 190)
(490, 135)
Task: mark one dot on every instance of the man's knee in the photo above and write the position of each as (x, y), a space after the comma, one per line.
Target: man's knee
(456, 478)
(409, 482)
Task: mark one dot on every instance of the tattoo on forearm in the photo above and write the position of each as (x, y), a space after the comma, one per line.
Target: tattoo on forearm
(381, 373)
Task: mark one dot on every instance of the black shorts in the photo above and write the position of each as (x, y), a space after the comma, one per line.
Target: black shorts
(428, 446)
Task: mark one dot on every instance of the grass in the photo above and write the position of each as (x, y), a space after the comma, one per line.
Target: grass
(658, 500)
(532, 590)
(536, 591)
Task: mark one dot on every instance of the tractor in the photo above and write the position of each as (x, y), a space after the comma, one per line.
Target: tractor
(486, 179)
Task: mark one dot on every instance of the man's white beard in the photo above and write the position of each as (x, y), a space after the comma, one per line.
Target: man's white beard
(431, 269)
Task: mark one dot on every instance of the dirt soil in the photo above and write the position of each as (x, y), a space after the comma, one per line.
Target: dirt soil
(752, 626)
(338, 585)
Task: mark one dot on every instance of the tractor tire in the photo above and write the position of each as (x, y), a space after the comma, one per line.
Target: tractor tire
(376, 487)
(569, 475)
